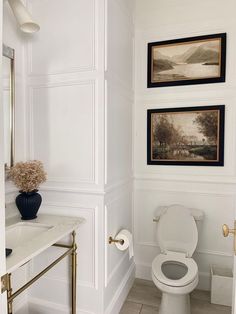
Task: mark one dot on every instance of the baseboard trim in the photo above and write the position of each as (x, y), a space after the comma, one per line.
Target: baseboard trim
(122, 292)
(143, 271)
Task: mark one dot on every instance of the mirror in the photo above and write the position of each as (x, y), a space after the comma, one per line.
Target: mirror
(8, 104)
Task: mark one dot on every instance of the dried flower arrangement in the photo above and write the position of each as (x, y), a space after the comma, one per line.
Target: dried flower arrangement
(27, 176)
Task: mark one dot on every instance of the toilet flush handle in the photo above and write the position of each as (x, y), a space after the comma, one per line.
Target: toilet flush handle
(155, 220)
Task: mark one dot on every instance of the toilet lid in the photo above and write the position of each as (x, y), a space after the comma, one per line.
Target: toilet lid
(177, 231)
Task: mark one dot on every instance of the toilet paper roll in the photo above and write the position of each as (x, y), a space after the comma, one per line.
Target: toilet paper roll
(128, 242)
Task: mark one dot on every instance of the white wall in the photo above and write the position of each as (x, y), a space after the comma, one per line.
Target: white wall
(211, 189)
(78, 119)
(118, 148)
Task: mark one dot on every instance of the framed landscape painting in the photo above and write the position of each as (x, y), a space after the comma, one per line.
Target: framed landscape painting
(195, 60)
(186, 136)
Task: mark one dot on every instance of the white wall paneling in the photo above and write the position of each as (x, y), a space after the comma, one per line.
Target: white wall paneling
(211, 189)
(58, 113)
(117, 216)
(119, 270)
(68, 77)
(119, 89)
(119, 135)
(74, 53)
(87, 239)
(82, 132)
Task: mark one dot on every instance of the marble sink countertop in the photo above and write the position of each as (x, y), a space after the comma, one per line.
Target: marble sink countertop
(60, 226)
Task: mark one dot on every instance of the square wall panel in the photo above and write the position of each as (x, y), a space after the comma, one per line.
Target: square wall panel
(63, 128)
(62, 47)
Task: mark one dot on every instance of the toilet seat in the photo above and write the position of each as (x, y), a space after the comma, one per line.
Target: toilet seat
(192, 269)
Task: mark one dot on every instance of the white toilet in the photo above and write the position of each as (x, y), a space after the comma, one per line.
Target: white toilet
(174, 272)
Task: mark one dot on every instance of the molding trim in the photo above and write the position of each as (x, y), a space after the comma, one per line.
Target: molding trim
(201, 251)
(105, 125)
(199, 192)
(213, 95)
(186, 179)
(100, 191)
(218, 253)
(93, 83)
(75, 190)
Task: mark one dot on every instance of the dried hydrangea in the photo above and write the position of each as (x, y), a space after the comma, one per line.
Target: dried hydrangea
(27, 176)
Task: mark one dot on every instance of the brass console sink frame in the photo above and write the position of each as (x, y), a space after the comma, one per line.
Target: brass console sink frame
(72, 250)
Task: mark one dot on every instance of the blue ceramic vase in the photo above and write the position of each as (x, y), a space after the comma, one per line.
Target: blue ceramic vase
(28, 204)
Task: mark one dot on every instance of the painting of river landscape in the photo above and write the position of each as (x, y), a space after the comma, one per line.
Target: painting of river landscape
(186, 136)
(187, 61)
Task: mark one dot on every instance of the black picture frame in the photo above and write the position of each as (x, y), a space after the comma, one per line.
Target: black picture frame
(155, 78)
(154, 152)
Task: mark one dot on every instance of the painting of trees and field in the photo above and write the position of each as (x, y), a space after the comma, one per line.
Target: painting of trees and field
(186, 61)
(185, 136)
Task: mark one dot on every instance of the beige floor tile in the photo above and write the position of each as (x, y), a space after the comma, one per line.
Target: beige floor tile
(147, 309)
(204, 307)
(131, 308)
(144, 282)
(201, 295)
(144, 292)
(145, 298)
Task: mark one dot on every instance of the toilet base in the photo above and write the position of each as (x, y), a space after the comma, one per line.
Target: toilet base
(175, 300)
(175, 303)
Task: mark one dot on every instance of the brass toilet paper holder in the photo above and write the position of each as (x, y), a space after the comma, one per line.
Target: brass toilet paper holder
(111, 240)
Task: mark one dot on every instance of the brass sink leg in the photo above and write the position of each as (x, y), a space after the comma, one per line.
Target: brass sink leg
(74, 275)
(72, 251)
(9, 294)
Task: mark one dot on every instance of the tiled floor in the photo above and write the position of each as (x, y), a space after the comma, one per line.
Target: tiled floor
(145, 298)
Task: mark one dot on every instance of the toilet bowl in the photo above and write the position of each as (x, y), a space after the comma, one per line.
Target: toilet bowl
(174, 272)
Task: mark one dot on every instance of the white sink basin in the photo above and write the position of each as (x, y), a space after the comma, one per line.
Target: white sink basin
(30, 238)
(22, 232)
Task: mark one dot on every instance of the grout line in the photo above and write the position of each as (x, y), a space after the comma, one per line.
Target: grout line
(141, 309)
